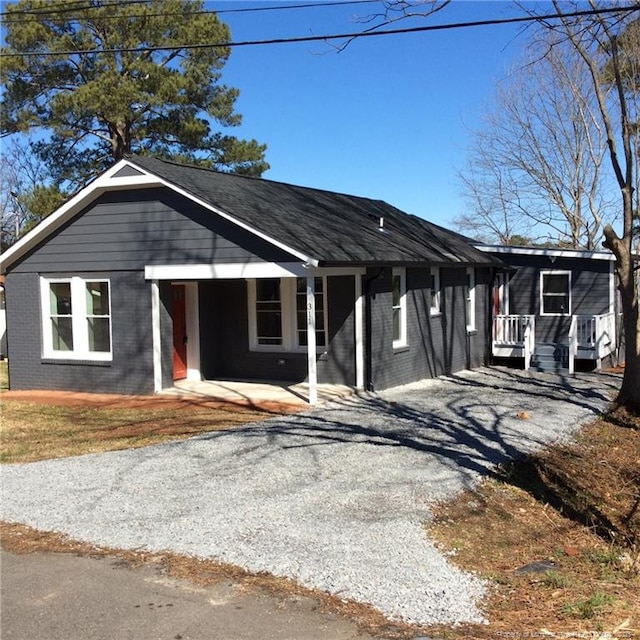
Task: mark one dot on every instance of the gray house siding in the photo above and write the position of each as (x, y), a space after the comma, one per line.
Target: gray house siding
(166, 334)
(116, 237)
(224, 337)
(130, 371)
(128, 230)
(480, 340)
(590, 291)
(436, 344)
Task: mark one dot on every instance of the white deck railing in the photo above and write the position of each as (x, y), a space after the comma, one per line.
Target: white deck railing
(575, 330)
(529, 338)
(596, 334)
(516, 331)
(510, 330)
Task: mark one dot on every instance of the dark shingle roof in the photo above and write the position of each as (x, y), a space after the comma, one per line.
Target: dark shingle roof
(332, 228)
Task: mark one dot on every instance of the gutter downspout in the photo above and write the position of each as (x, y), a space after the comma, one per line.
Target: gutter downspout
(369, 383)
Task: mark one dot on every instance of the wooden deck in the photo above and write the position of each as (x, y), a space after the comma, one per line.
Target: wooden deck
(588, 338)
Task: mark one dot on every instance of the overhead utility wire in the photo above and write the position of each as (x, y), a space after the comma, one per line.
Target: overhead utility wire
(67, 8)
(35, 13)
(341, 36)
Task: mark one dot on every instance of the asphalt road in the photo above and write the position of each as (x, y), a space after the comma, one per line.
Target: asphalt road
(67, 597)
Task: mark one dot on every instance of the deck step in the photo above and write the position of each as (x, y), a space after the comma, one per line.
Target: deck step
(550, 357)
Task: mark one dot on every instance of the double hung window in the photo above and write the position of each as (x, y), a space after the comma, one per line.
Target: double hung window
(399, 306)
(434, 277)
(301, 312)
(268, 310)
(555, 293)
(76, 318)
(278, 313)
(470, 296)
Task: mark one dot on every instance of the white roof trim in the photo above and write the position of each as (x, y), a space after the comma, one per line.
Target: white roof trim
(224, 271)
(535, 251)
(109, 182)
(239, 270)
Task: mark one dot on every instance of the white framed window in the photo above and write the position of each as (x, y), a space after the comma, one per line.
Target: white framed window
(434, 279)
(470, 299)
(399, 306)
(278, 313)
(76, 318)
(555, 293)
(268, 313)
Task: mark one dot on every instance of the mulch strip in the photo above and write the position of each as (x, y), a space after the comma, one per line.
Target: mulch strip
(156, 402)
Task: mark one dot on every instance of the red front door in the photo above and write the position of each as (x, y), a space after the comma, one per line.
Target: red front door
(179, 317)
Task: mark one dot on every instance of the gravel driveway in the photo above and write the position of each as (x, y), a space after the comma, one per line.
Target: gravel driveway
(334, 498)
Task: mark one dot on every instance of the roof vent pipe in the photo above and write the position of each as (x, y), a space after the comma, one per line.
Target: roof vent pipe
(381, 224)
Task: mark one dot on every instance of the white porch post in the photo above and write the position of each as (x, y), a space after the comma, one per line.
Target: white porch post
(155, 336)
(311, 340)
(193, 330)
(359, 331)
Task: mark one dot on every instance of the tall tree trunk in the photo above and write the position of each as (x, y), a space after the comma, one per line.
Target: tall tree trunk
(120, 139)
(629, 394)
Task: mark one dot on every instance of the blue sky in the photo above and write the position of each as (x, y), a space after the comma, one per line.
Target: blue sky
(388, 117)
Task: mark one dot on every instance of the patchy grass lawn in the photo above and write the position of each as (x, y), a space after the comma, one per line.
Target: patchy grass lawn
(4, 375)
(33, 431)
(575, 506)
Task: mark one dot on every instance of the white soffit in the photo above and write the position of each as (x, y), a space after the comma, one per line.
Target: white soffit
(248, 270)
(537, 251)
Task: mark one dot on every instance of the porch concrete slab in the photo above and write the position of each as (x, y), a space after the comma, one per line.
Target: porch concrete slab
(257, 392)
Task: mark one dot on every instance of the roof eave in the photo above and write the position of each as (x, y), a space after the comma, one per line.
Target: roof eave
(110, 181)
(540, 251)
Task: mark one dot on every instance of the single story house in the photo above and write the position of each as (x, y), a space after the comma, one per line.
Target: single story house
(158, 271)
(555, 307)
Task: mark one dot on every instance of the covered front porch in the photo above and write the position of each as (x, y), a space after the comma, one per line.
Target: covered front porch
(235, 331)
(588, 337)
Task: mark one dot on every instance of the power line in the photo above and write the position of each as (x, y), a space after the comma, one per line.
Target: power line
(67, 8)
(324, 38)
(48, 13)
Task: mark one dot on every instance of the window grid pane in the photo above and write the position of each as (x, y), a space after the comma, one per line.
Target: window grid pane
(396, 291)
(60, 298)
(555, 293)
(435, 294)
(398, 309)
(301, 311)
(60, 314)
(98, 333)
(97, 298)
(62, 334)
(396, 324)
(99, 339)
(268, 312)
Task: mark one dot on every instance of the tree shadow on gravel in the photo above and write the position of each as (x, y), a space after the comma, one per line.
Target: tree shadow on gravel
(457, 423)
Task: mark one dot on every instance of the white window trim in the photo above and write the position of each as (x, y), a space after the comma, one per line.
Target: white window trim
(434, 304)
(402, 273)
(288, 292)
(470, 297)
(554, 272)
(78, 321)
(503, 293)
